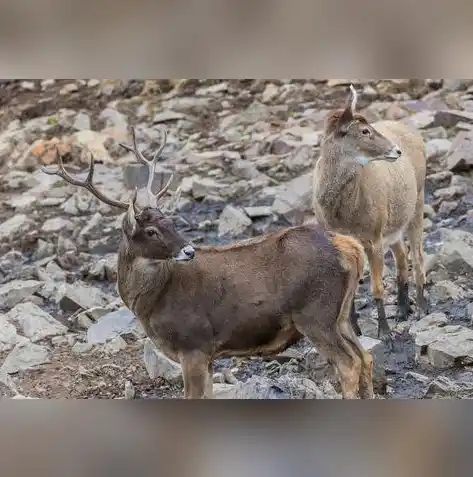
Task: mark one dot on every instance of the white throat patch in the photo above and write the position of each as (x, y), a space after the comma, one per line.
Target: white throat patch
(363, 160)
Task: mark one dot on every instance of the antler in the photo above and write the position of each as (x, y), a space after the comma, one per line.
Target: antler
(87, 183)
(150, 163)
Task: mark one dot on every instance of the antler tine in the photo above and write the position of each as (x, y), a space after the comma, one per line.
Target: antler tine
(150, 163)
(86, 184)
(165, 188)
(163, 144)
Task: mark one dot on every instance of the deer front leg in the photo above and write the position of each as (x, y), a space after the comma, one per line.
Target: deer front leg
(375, 253)
(403, 306)
(195, 372)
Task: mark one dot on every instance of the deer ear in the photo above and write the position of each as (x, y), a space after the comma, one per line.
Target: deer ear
(349, 111)
(352, 100)
(130, 224)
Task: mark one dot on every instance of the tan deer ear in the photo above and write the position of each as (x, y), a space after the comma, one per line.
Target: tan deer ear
(131, 225)
(353, 99)
(349, 111)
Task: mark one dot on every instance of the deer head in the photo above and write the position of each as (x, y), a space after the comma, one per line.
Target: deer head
(148, 231)
(356, 138)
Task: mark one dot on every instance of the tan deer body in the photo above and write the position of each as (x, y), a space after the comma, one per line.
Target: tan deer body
(253, 298)
(369, 183)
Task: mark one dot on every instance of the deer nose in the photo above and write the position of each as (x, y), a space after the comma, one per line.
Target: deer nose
(189, 251)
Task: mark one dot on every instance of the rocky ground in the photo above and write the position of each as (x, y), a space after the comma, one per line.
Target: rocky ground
(243, 153)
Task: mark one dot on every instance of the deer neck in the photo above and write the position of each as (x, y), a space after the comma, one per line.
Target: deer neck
(140, 280)
(340, 179)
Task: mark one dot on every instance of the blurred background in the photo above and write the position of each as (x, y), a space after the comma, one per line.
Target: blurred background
(68, 38)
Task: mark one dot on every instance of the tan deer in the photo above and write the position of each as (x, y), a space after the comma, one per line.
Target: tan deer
(256, 297)
(369, 183)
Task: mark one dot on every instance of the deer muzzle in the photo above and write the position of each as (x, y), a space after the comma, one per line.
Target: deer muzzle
(393, 154)
(185, 254)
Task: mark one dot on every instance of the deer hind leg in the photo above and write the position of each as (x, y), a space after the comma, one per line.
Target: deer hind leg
(366, 375)
(350, 338)
(332, 345)
(195, 372)
(354, 315)
(415, 233)
(403, 307)
(339, 354)
(375, 253)
(209, 385)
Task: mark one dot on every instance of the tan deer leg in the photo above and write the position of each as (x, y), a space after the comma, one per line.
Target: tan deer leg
(209, 385)
(403, 306)
(366, 373)
(416, 238)
(195, 372)
(375, 253)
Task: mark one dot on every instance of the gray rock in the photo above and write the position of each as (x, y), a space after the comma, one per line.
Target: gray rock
(114, 346)
(114, 324)
(80, 202)
(456, 253)
(136, 175)
(19, 223)
(421, 120)
(93, 142)
(447, 207)
(81, 121)
(168, 115)
(376, 348)
(129, 390)
(52, 271)
(223, 391)
(450, 118)
(24, 356)
(258, 211)
(271, 91)
(442, 388)
(299, 387)
(9, 338)
(35, 323)
(114, 118)
(16, 291)
(8, 387)
(452, 192)
(105, 269)
(79, 296)
(257, 387)
(68, 89)
(437, 148)
(433, 320)
(445, 290)
(300, 160)
(293, 197)
(441, 345)
(233, 221)
(57, 224)
(202, 187)
(460, 156)
(159, 365)
(440, 179)
(453, 345)
(81, 348)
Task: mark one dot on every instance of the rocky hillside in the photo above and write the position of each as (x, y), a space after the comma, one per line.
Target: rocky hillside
(242, 151)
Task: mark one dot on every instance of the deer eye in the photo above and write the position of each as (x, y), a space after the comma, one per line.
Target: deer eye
(150, 232)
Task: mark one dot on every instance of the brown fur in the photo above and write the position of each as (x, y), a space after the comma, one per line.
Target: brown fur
(376, 201)
(253, 298)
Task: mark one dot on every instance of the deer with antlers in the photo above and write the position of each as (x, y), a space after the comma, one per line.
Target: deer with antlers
(255, 297)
